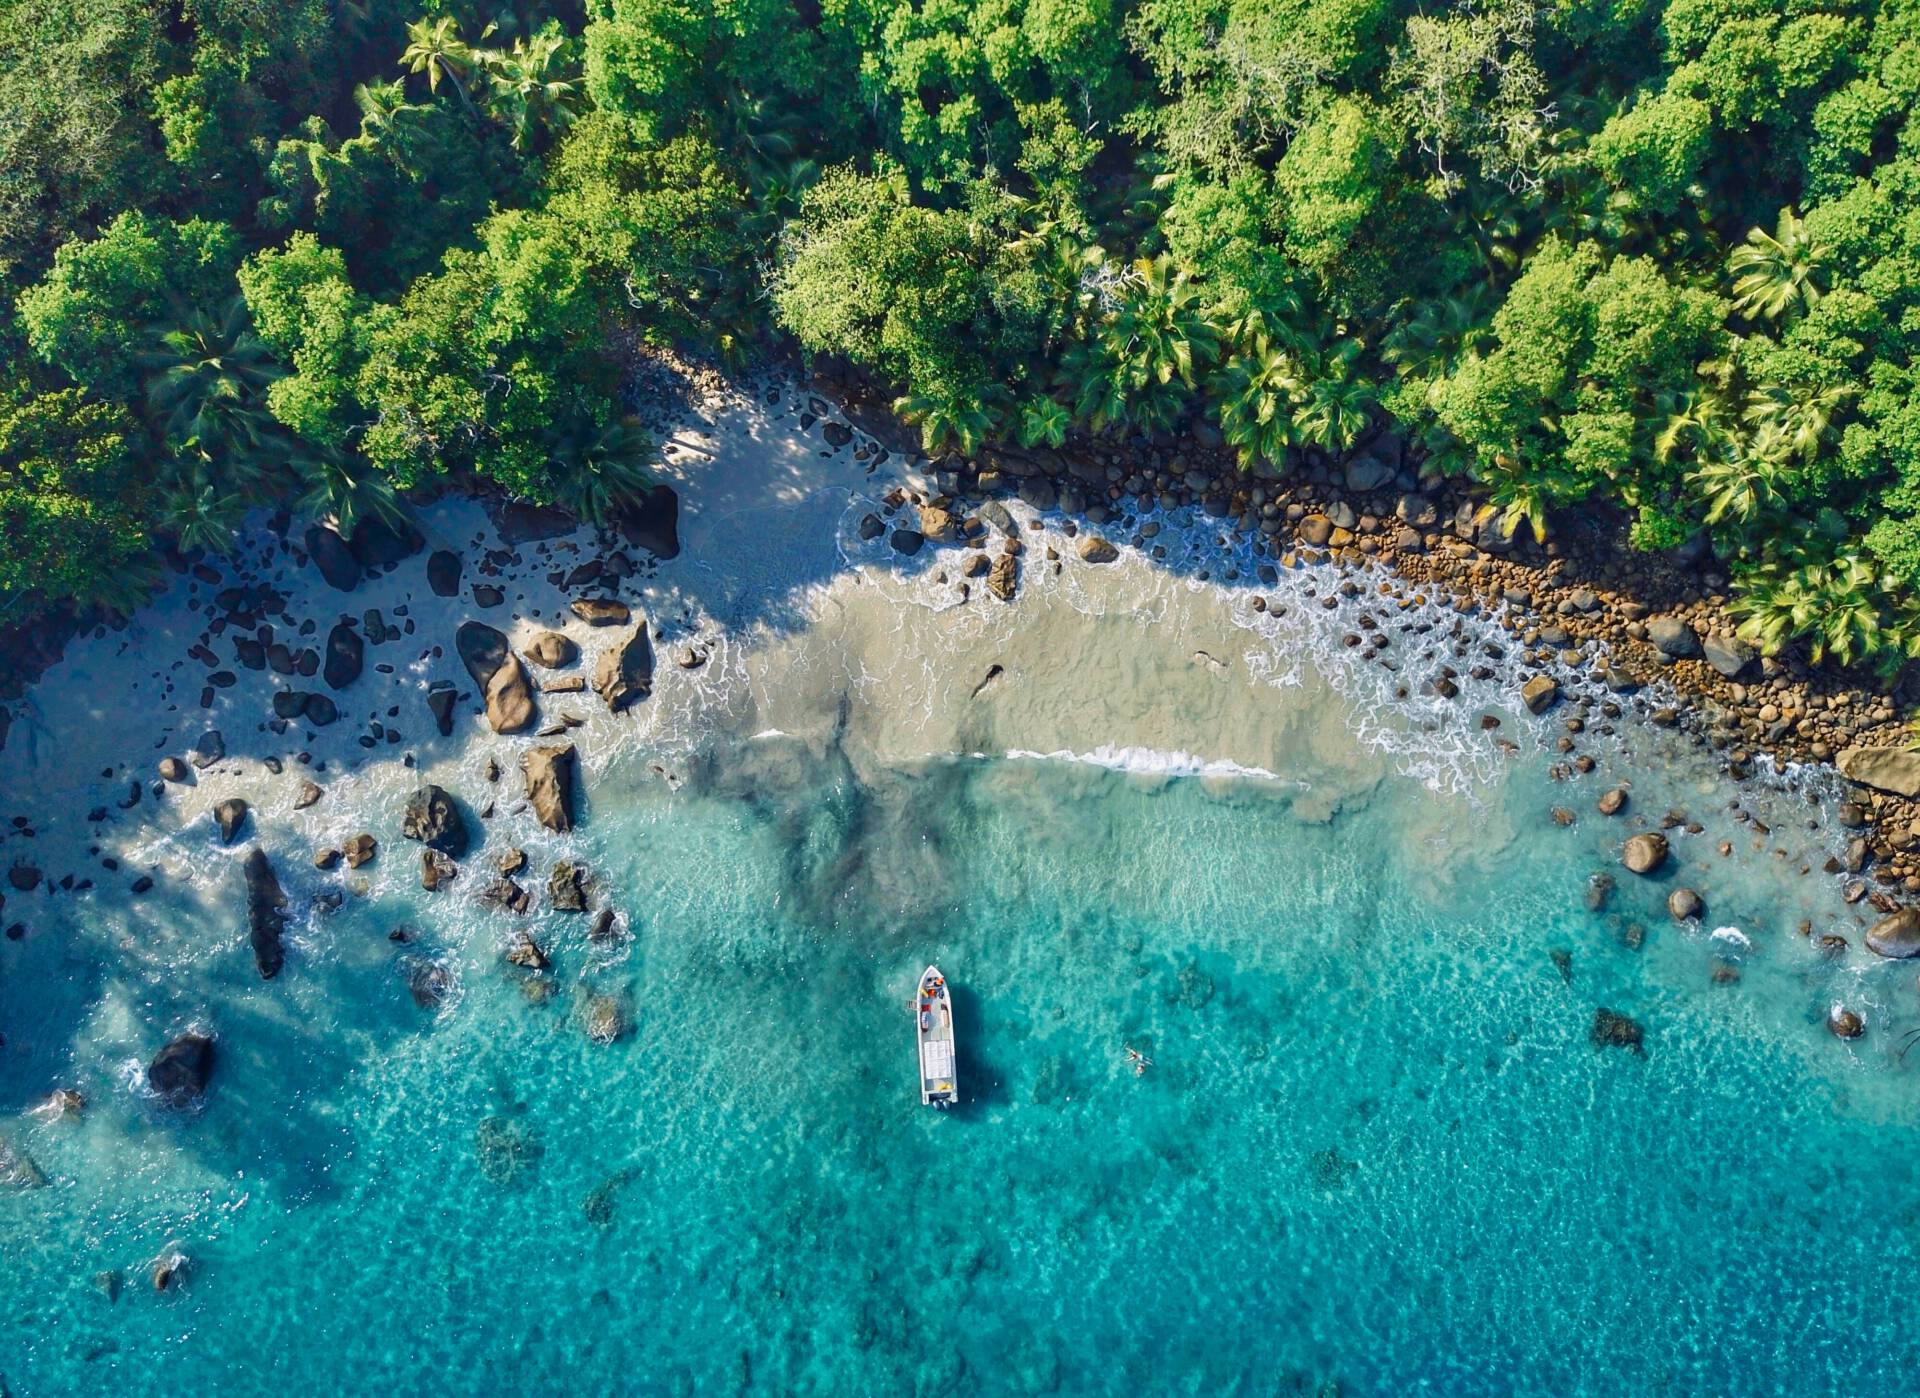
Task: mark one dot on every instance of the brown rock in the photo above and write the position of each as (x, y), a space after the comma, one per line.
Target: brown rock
(601, 611)
(1644, 854)
(1845, 1023)
(524, 951)
(624, 672)
(549, 772)
(1896, 935)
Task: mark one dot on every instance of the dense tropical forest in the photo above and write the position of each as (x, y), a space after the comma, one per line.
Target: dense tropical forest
(327, 253)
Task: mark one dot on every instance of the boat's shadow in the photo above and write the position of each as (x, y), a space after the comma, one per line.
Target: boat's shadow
(982, 1086)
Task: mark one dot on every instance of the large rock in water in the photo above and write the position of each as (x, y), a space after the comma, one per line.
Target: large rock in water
(230, 815)
(549, 773)
(551, 650)
(1885, 769)
(333, 558)
(345, 653)
(432, 818)
(266, 914)
(499, 673)
(1643, 854)
(179, 1072)
(1896, 935)
(624, 672)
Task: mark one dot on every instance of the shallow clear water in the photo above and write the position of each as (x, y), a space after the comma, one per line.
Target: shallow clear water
(1376, 1151)
(1375, 1146)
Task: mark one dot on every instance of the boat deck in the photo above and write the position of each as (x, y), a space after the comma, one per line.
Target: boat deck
(933, 1027)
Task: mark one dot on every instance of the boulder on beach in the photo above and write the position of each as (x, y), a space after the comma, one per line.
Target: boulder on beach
(1897, 935)
(310, 792)
(1673, 637)
(549, 773)
(333, 558)
(1094, 549)
(208, 748)
(181, 1070)
(499, 673)
(937, 523)
(1614, 1030)
(1894, 770)
(1728, 655)
(1645, 853)
(654, 523)
(344, 655)
(266, 913)
(907, 542)
(552, 649)
(1004, 576)
(440, 701)
(432, 818)
(602, 611)
(443, 573)
(376, 543)
(624, 672)
(230, 815)
(172, 769)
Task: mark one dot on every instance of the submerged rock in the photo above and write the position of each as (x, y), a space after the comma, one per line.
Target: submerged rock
(266, 913)
(549, 774)
(433, 819)
(624, 673)
(507, 1151)
(606, 1018)
(181, 1070)
(17, 1169)
(429, 982)
(1614, 1030)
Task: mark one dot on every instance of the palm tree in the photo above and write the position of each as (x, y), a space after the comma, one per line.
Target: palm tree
(1743, 485)
(1699, 420)
(205, 380)
(434, 47)
(198, 513)
(1141, 362)
(1440, 333)
(347, 491)
(528, 93)
(1773, 273)
(1835, 603)
(1255, 396)
(1044, 419)
(1339, 405)
(599, 469)
(1800, 415)
(950, 419)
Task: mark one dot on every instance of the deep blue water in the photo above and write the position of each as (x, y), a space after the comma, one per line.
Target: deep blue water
(1376, 1152)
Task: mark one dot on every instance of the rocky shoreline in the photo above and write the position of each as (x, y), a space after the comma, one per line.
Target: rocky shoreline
(1582, 602)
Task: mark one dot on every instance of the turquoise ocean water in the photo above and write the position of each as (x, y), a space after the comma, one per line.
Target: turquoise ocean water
(1376, 1149)
(1376, 1152)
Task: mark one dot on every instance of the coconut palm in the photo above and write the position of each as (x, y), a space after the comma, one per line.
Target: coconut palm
(348, 491)
(1141, 362)
(205, 378)
(1774, 273)
(1699, 421)
(528, 92)
(950, 419)
(1433, 340)
(1044, 420)
(1255, 396)
(599, 469)
(198, 512)
(1339, 405)
(435, 48)
(1834, 603)
(1741, 486)
(1800, 415)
